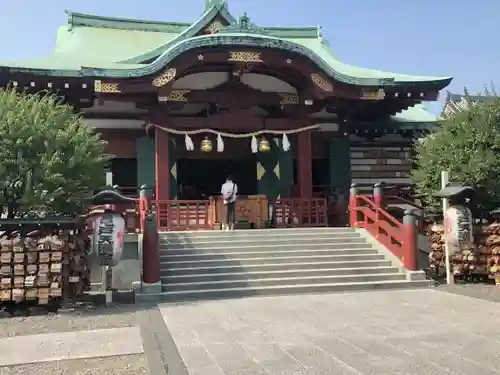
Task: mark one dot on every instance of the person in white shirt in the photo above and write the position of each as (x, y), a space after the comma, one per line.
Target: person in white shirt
(229, 191)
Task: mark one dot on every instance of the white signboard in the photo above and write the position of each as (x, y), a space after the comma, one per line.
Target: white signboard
(458, 228)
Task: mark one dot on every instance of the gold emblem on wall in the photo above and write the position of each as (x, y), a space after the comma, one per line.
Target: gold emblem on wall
(368, 94)
(245, 57)
(323, 84)
(100, 86)
(288, 99)
(260, 171)
(178, 96)
(276, 170)
(214, 27)
(165, 77)
(173, 171)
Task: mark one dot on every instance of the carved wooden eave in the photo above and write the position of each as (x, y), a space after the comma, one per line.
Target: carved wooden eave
(312, 84)
(231, 94)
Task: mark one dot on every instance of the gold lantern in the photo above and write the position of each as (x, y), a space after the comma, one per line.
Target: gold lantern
(206, 145)
(264, 145)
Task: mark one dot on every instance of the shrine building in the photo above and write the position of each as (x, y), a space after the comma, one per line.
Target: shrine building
(184, 104)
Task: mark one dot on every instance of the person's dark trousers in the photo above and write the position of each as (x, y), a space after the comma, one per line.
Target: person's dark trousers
(230, 213)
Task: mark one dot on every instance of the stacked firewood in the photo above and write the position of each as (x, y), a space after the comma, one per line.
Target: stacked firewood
(482, 249)
(464, 263)
(435, 233)
(36, 268)
(78, 270)
(492, 251)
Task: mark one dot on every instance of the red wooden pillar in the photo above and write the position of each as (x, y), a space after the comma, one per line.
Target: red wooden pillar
(353, 202)
(378, 195)
(304, 165)
(162, 188)
(410, 242)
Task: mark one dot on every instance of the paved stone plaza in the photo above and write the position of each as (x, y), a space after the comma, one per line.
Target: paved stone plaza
(386, 332)
(113, 341)
(383, 332)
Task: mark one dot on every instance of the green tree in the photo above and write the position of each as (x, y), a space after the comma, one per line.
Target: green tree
(49, 158)
(467, 144)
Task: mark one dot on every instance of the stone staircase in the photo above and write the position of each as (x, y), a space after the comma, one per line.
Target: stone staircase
(217, 264)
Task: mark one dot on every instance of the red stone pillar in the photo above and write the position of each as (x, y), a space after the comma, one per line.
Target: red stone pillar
(162, 188)
(304, 165)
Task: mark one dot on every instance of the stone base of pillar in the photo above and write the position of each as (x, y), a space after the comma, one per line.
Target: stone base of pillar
(153, 288)
(415, 275)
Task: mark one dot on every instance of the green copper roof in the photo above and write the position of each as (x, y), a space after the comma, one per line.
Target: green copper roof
(417, 113)
(114, 47)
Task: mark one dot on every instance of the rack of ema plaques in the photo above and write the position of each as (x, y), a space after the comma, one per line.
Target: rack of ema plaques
(107, 224)
(43, 263)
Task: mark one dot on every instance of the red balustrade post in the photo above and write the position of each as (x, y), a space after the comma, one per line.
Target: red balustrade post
(353, 201)
(150, 244)
(378, 194)
(410, 241)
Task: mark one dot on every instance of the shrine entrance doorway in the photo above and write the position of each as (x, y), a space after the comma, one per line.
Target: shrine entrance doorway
(199, 179)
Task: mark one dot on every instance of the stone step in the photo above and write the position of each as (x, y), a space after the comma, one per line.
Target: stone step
(218, 242)
(256, 232)
(265, 274)
(302, 251)
(293, 258)
(206, 277)
(267, 248)
(168, 270)
(177, 296)
(276, 281)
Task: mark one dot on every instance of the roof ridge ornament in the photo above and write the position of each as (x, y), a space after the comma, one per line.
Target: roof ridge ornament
(243, 25)
(219, 4)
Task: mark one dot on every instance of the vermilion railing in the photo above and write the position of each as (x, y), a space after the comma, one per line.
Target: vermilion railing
(300, 212)
(182, 214)
(398, 237)
(417, 208)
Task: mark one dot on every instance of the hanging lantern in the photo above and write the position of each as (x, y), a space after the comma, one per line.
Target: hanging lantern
(264, 145)
(206, 145)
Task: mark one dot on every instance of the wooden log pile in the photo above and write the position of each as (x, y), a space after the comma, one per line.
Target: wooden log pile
(38, 269)
(482, 249)
(482, 261)
(464, 263)
(435, 233)
(492, 251)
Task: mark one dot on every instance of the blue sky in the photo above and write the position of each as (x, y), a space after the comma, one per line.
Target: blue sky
(456, 38)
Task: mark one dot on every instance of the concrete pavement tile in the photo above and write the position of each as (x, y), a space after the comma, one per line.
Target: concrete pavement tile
(319, 362)
(472, 347)
(273, 358)
(207, 370)
(358, 359)
(196, 356)
(120, 365)
(452, 363)
(214, 334)
(106, 342)
(385, 358)
(34, 348)
(233, 359)
(185, 338)
(82, 319)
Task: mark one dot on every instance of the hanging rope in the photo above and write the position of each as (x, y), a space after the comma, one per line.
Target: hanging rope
(232, 135)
